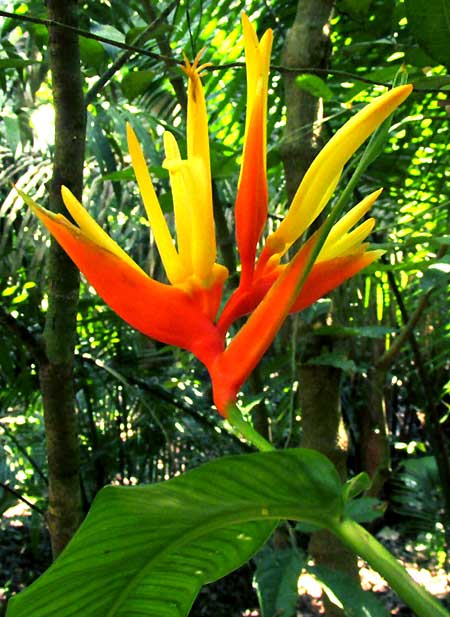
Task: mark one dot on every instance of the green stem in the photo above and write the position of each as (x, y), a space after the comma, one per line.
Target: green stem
(365, 545)
(234, 417)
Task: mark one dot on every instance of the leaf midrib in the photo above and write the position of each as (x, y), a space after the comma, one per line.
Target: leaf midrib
(215, 522)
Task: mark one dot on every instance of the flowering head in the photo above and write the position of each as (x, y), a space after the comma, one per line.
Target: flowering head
(185, 310)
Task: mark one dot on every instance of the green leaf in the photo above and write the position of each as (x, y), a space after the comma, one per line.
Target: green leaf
(417, 57)
(276, 578)
(133, 33)
(92, 53)
(223, 161)
(437, 275)
(347, 331)
(147, 550)
(437, 82)
(109, 32)
(429, 22)
(166, 202)
(356, 485)
(307, 527)
(365, 509)
(15, 63)
(136, 83)
(12, 129)
(154, 33)
(344, 591)
(334, 359)
(119, 176)
(314, 85)
(442, 240)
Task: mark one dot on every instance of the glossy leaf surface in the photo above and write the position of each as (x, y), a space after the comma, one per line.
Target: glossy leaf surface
(147, 550)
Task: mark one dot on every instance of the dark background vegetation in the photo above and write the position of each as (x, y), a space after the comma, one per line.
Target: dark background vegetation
(373, 357)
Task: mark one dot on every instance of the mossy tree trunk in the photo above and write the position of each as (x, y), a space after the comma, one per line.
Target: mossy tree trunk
(56, 373)
(323, 429)
(308, 45)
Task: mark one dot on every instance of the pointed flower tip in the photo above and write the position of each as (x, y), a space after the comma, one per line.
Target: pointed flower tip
(65, 193)
(246, 23)
(195, 69)
(400, 93)
(407, 88)
(131, 137)
(250, 32)
(37, 208)
(375, 254)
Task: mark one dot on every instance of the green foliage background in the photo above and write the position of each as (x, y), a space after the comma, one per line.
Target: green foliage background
(144, 410)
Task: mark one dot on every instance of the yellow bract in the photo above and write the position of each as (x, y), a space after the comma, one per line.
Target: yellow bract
(339, 242)
(174, 268)
(321, 178)
(191, 263)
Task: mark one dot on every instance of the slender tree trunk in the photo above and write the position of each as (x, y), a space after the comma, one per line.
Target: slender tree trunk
(56, 374)
(324, 430)
(374, 429)
(308, 45)
(374, 432)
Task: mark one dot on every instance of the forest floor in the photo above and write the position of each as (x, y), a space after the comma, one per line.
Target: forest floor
(25, 554)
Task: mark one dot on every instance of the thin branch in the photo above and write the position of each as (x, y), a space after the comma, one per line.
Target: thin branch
(23, 450)
(125, 56)
(13, 491)
(177, 81)
(29, 341)
(84, 33)
(389, 356)
(157, 392)
(218, 67)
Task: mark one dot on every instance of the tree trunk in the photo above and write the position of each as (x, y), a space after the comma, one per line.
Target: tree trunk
(323, 429)
(56, 374)
(308, 45)
(374, 432)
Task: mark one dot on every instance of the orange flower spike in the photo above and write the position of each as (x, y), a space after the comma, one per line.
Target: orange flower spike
(314, 192)
(234, 365)
(151, 307)
(231, 368)
(252, 196)
(183, 312)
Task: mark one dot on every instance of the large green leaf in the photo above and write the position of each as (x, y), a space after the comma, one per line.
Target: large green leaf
(429, 21)
(276, 579)
(146, 551)
(346, 592)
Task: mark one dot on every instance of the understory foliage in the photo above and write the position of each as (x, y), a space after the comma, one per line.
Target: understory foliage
(145, 410)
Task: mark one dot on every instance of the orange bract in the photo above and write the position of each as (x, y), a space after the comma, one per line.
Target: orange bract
(184, 312)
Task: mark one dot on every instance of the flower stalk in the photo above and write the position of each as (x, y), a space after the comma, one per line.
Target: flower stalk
(366, 546)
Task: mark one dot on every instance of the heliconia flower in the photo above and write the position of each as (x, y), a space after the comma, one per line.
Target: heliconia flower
(184, 311)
